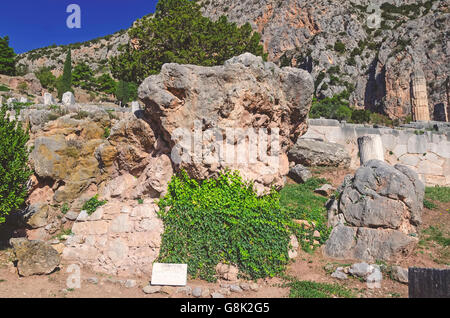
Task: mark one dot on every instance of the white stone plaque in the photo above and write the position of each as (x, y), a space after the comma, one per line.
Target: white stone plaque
(169, 274)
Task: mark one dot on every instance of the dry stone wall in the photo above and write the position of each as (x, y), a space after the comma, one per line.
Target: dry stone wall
(422, 146)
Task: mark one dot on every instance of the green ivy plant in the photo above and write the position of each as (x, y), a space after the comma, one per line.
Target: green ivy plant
(92, 204)
(223, 220)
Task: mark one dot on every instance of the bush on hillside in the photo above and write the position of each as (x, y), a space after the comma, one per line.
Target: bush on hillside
(14, 172)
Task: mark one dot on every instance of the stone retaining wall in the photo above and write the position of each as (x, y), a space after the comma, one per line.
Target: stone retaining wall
(422, 146)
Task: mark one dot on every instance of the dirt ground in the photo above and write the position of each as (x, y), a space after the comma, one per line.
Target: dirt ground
(305, 267)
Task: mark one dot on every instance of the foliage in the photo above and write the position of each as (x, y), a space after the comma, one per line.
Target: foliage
(14, 172)
(7, 58)
(46, 77)
(64, 83)
(328, 107)
(437, 193)
(338, 107)
(92, 204)
(223, 220)
(303, 204)
(83, 77)
(310, 289)
(4, 88)
(179, 33)
(106, 84)
(22, 87)
(65, 208)
(429, 204)
(339, 47)
(126, 92)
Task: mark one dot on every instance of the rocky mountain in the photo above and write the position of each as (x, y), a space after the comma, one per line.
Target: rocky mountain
(95, 53)
(373, 51)
(343, 46)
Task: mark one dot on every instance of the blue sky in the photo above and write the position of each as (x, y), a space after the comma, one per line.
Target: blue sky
(33, 24)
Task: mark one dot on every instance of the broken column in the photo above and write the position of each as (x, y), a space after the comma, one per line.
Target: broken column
(370, 147)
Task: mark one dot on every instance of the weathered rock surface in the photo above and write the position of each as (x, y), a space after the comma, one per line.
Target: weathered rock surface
(34, 257)
(310, 152)
(300, 173)
(381, 209)
(242, 94)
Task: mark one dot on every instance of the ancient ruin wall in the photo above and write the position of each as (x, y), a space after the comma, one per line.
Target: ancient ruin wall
(417, 145)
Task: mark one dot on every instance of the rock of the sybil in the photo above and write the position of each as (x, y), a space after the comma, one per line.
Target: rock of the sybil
(68, 99)
(300, 173)
(310, 152)
(34, 257)
(378, 213)
(245, 93)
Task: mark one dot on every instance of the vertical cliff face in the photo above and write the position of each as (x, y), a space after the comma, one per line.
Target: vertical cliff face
(335, 42)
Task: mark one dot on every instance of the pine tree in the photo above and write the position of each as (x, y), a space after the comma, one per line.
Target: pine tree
(179, 33)
(7, 58)
(14, 172)
(123, 92)
(65, 81)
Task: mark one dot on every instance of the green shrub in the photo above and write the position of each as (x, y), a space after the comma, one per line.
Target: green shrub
(92, 204)
(4, 88)
(223, 220)
(339, 47)
(46, 77)
(65, 208)
(14, 172)
(301, 203)
(7, 58)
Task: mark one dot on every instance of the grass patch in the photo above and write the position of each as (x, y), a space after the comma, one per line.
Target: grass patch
(436, 237)
(303, 204)
(437, 193)
(308, 289)
(429, 204)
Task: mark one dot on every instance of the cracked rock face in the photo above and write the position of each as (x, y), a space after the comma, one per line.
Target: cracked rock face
(377, 215)
(245, 93)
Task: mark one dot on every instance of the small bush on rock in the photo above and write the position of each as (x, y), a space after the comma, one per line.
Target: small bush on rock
(92, 204)
(223, 220)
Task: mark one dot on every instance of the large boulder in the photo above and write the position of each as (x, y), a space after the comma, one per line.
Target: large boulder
(34, 257)
(377, 213)
(311, 152)
(244, 93)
